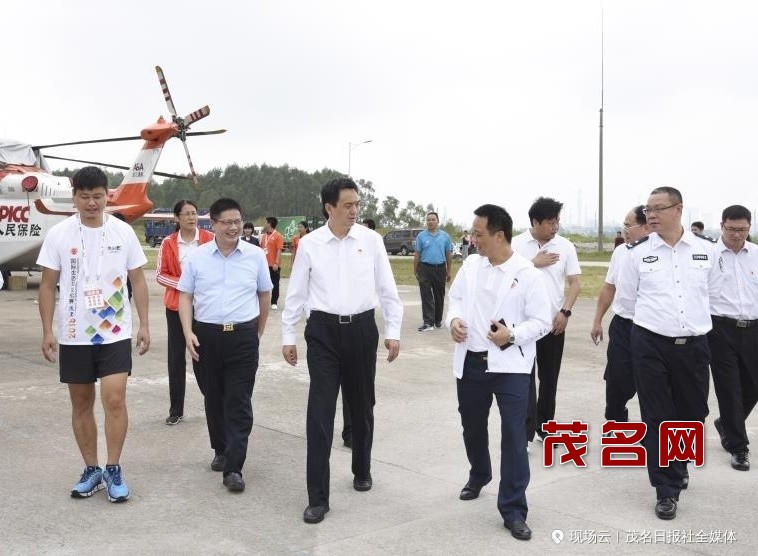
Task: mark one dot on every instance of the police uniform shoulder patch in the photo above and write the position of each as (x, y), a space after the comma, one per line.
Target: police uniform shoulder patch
(706, 238)
(636, 243)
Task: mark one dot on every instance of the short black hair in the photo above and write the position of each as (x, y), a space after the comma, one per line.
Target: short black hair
(544, 208)
(673, 193)
(639, 215)
(370, 224)
(699, 225)
(89, 177)
(273, 221)
(248, 226)
(305, 225)
(434, 213)
(735, 212)
(330, 193)
(223, 204)
(498, 219)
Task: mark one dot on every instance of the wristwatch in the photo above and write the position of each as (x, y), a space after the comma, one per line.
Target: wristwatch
(566, 312)
(512, 339)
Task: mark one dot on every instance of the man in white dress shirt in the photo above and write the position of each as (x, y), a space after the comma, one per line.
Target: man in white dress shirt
(619, 375)
(556, 257)
(733, 292)
(498, 309)
(668, 273)
(340, 271)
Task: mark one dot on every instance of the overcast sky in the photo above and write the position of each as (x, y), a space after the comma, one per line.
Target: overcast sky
(465, 102)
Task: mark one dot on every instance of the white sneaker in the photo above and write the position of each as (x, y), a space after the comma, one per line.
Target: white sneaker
(274, 307)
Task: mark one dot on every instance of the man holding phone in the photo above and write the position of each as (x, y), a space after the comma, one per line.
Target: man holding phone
(498, 309)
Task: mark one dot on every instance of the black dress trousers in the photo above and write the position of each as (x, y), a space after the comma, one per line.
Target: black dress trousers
(619, 373)
(177, 363)
(431, 283)
(548, 363)
(672, 385)
(228, 363)
(734, 366)
(339, 354)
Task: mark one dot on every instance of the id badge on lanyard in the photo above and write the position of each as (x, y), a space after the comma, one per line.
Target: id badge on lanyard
(93, 295)
(93, 291)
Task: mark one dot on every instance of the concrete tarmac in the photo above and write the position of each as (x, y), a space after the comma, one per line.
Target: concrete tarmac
(179, 506)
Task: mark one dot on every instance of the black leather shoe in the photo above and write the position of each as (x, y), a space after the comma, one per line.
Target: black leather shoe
(666, 508)
(218, 463)
(315, 514)
(470, 491)
(519, 529)
(362, 485)
(741, 461)
(234, 482)
(720, 429)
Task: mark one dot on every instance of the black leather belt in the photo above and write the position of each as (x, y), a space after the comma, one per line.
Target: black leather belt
(739, 323)
(680, 341)
(481, 355)
(229, 326)
(434, 265)
(341, 319)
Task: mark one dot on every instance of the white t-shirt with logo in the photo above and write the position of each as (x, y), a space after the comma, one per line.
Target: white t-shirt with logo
(79, 253)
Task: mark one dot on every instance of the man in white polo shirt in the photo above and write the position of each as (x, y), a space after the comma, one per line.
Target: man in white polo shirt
(556, 257)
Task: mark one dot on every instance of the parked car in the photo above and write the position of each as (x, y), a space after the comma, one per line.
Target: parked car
(402, 241)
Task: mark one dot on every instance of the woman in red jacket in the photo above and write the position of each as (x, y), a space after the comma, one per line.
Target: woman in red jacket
(172, 257)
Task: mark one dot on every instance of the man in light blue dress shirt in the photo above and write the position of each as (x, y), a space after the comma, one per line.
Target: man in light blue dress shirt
(224, 335)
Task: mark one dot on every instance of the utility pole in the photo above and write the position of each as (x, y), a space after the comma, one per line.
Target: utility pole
(600, 164)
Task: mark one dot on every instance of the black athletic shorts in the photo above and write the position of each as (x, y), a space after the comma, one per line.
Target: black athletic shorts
(84, 364)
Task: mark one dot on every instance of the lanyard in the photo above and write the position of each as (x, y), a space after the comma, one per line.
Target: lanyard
(84, 255)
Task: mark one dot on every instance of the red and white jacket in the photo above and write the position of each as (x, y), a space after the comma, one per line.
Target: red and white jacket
(168, 270)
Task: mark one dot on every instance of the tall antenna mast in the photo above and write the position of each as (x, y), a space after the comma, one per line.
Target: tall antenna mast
(600, 164)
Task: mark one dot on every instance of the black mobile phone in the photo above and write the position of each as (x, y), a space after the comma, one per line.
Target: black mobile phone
(494, 328)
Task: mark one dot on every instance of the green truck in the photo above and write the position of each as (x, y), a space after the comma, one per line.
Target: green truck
(287, 225)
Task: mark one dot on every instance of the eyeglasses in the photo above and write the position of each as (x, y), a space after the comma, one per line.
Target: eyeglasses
(630, 226)
(229, 223)
(735, 230)
(653, 210)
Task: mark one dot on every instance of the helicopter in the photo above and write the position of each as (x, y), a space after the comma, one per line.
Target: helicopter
(33, 200)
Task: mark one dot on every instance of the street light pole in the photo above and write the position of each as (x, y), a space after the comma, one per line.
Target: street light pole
(350, 148)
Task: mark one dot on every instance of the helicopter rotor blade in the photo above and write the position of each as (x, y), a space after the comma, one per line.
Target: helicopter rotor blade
(115, 139)
(162, 174)
(166, 92)
(195, 180)
(191, 118)
(88, 141)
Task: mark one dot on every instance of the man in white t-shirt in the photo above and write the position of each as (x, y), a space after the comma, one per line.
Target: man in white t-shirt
(556, 257)
(91, 255)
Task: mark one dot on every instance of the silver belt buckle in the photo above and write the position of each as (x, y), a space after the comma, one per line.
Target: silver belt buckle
(680, 341)
(345, 319)
(741, 324)
(228, 327)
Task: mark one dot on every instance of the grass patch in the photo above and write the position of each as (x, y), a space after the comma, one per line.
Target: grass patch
(402, 267)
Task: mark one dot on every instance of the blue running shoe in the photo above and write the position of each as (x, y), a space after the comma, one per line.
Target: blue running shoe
(90, 482)
(117, 489)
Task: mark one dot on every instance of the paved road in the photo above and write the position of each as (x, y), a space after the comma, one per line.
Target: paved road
(179, 506)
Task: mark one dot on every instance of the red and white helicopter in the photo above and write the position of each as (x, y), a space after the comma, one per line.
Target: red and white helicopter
(32, 200)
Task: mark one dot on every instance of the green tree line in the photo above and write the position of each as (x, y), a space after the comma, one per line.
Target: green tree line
(276, 190)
